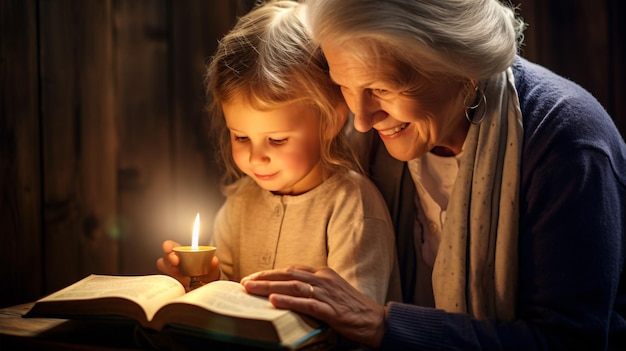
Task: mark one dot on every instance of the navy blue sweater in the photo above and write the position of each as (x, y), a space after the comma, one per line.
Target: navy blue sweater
(572, 240)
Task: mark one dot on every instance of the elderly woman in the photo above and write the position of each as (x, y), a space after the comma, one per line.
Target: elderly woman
(506, 184)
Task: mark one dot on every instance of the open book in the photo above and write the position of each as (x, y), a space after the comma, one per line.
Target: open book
(222, 310)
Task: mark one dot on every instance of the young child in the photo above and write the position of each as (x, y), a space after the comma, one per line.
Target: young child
(294, 194)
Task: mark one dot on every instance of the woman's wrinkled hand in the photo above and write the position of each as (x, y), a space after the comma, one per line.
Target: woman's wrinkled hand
(322, 294)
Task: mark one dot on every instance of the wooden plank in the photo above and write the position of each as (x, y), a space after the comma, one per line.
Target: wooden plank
(144, 125)
(583, 41)
(580, 44)
(529, 11)
(79, 177)
(98, 130)
(196, 27)
(20, 157)
(60, 179)
(571, 37)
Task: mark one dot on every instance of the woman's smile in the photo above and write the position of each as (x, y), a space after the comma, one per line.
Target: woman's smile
(390, 132)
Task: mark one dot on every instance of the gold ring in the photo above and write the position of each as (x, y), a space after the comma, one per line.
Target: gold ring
(310, 291)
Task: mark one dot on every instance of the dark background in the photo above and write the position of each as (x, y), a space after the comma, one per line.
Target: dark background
(103, 144)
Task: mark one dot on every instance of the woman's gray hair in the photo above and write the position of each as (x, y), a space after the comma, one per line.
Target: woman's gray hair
(464, 38)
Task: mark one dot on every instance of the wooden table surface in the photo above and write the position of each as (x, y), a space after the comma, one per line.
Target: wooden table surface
(18, 333)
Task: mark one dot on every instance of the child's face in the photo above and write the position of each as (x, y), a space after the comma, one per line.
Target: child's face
(278, 148)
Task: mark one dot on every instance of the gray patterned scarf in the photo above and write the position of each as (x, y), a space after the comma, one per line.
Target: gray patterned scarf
(475, 271)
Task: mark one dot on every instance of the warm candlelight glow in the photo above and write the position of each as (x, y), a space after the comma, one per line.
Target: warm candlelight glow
(196, 233)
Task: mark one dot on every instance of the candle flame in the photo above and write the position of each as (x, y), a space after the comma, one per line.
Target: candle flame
(196, 232)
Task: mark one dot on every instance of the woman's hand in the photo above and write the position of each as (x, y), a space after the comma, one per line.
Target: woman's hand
(322, 294)
(168, 264)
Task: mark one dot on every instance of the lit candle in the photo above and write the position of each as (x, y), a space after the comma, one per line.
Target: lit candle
(196, 232)
(195, 260)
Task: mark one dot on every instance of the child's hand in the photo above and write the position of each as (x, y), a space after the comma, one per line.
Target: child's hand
(168, 264)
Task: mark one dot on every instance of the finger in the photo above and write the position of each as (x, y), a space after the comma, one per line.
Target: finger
(312, 307)
(168, 245)
(214, 272)
(168, 269)
(173, 259)
(304, 273)
(293, 288)
(161, 266)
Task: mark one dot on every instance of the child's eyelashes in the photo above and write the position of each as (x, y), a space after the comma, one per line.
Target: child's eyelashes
(245, 139)
(278, 141)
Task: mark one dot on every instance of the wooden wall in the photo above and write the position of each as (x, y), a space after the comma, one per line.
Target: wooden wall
(103, 144)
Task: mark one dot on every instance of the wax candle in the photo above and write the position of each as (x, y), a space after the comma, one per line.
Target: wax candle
(195, 260)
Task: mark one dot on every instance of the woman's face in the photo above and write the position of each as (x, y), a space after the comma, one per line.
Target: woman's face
(410, 123)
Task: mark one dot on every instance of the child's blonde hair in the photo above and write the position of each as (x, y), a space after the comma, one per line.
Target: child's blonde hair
(269, 61)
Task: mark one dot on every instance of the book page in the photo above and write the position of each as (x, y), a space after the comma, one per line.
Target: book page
(230, 298)
(233, 314)
(150, 291)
